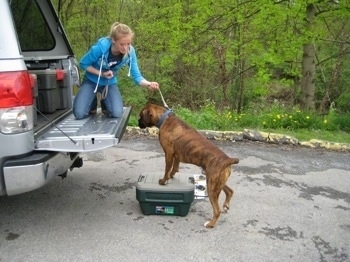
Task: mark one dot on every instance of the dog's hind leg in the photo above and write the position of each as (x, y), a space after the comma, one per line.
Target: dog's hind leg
(229, 193)
(214, 200)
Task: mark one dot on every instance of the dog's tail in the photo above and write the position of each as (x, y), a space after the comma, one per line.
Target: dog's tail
(227, 166)
(235, 160)
(231, 161)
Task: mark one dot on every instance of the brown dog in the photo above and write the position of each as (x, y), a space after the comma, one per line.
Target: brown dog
(182, 143)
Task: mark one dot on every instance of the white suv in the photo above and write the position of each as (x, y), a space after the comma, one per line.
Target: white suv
(39, 136)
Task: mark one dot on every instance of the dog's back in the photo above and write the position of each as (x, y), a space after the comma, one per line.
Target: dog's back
(194, 147)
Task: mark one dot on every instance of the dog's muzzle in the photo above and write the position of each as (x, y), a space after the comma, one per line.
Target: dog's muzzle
(141, 124)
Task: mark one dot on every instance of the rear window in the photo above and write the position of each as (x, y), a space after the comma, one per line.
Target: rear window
(32, 29)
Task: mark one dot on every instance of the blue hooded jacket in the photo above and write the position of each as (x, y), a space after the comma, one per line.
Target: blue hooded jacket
(98, 54)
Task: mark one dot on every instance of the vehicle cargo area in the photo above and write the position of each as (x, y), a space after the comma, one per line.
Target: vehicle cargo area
(52, 96)
(55, 127)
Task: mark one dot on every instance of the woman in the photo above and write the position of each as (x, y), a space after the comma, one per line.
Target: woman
(101, 64)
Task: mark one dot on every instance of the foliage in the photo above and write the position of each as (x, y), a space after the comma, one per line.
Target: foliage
(244, 55)
(290, 121)
(273, 118)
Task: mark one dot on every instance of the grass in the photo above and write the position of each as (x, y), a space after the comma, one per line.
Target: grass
(304, 126)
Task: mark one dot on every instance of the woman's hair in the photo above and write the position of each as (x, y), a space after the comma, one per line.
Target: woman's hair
(119, 30)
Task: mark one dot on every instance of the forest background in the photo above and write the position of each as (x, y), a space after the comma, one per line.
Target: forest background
(280, 65)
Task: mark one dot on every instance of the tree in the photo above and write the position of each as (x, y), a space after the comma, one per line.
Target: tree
(241, 54)
(308, 68)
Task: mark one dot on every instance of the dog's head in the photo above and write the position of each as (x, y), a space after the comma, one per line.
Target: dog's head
(150, 115)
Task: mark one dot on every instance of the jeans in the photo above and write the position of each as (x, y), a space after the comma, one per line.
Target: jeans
(85, 100)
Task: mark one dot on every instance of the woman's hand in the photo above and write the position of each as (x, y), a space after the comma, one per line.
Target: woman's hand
(153, 86)
(108, 74)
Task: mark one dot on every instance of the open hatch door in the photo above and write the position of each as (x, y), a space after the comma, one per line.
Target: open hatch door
(90, 134)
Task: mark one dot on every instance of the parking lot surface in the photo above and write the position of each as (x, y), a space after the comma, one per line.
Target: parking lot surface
(290, 204)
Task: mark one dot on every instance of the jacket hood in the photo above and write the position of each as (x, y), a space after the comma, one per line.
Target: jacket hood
(105, 44)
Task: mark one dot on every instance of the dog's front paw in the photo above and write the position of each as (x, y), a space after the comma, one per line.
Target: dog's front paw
(208, 224)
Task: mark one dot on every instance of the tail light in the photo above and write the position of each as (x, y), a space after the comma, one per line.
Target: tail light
(16, 102)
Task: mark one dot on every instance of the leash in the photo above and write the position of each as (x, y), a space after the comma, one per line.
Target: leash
(105, 91)
(161, 95)
(166, 114)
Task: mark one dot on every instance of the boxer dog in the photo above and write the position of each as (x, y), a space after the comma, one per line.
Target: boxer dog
(182, 143)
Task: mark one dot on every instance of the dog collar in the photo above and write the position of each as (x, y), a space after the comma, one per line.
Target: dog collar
(163, 117)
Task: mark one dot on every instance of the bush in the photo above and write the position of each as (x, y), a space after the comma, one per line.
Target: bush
(291, 121)
(273, 118)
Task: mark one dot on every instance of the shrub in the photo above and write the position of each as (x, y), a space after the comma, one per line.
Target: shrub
(274, 118)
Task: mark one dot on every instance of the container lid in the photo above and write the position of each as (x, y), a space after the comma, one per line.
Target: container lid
(180, 182)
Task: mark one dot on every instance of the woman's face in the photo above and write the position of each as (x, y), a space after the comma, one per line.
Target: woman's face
(122, 45)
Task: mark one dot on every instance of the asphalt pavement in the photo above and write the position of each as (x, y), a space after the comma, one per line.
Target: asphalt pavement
(290, 204)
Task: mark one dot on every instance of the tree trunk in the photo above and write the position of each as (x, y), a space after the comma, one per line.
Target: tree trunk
(235, 83)
(241, 68)
(241, 87)
(223, 78)
(328, 96)
(308, 65)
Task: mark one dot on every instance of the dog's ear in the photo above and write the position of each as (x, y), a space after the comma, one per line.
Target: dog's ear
(147, 115)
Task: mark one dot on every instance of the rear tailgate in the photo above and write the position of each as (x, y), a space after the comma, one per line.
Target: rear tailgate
(90, 134)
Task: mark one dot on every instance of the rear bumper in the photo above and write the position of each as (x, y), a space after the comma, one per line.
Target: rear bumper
(34, 171)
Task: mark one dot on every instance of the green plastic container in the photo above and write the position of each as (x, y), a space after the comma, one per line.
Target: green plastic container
(173, 199)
